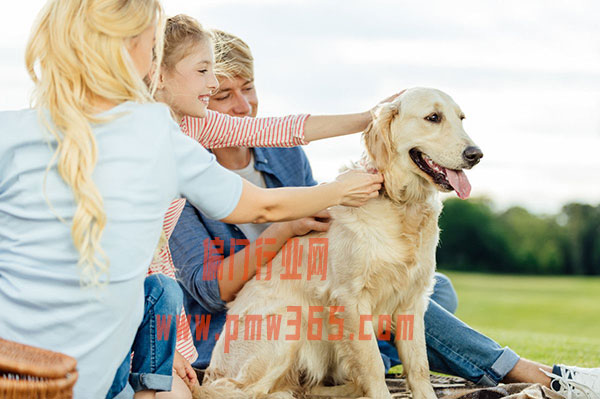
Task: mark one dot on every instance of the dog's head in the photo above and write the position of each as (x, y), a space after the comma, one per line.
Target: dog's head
(419, 144)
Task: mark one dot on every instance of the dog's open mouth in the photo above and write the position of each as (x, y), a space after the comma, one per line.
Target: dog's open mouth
(447, 179)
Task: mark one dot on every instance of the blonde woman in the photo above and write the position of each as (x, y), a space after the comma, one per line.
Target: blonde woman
(87, 176)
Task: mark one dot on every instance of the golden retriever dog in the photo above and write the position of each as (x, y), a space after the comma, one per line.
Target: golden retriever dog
(311, 328)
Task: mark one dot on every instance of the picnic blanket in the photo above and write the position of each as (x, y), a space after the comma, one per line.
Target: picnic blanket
(457, 388)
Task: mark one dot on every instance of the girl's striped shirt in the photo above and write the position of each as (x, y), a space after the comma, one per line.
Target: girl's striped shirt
(218, 130)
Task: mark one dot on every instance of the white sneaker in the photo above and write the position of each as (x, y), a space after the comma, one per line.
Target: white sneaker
(577, 382)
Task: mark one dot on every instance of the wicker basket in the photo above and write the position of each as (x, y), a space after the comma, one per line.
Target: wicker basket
(34, 373)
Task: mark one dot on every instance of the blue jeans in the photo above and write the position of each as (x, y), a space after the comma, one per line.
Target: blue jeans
(452, 346)
(154, 344)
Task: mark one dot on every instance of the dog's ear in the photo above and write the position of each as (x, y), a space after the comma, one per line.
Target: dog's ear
(378, 135)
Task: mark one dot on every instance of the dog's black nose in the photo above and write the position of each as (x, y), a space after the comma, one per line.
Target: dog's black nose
(472, 155)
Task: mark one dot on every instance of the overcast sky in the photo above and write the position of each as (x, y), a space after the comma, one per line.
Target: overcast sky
(526, 74)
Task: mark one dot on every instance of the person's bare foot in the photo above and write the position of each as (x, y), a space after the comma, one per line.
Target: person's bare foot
(145, 395)
(179, 390)
(528, 371)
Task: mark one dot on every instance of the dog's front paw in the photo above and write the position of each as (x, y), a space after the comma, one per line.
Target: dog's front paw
(426, 393)
(380, 393)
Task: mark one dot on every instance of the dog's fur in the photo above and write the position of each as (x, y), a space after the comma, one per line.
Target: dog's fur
(381, 261)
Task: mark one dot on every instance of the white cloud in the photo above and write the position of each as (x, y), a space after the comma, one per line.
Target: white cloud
(505, 53)
(526, 73)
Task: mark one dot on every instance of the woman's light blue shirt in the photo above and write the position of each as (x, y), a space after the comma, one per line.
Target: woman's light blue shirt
(144, 162)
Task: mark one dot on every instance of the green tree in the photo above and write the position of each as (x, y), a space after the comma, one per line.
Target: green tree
(536, 242)
(583, 231)
(476, 238)
(472, 239)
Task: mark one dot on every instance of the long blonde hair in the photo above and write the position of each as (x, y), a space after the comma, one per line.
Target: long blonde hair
(78, 47)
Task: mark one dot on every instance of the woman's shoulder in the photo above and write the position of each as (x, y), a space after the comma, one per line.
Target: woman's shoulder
(144, 122)
(17, 118)
(17, 126)
(149, 113)
(28, 119)
(149, 107)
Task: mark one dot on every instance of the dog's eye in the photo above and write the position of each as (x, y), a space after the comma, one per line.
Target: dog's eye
(435, 118)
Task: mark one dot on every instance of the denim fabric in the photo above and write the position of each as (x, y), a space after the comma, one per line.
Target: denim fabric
(120, 388)
(198, 243)
(444, 293)
(452, 346)
(154, 347)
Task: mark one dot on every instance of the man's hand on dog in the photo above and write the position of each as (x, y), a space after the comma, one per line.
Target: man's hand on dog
(320, 221)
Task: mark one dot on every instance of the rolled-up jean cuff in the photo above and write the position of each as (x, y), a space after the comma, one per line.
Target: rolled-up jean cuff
(153, 382)
(501, 367)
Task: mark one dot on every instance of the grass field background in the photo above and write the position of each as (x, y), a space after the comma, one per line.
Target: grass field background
(546, 319)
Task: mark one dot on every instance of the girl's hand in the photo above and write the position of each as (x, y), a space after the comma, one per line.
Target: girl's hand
(184, 369)
(388, 100)
(359, 187)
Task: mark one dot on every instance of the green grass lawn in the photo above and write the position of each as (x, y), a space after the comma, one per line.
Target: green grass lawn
(546, 319)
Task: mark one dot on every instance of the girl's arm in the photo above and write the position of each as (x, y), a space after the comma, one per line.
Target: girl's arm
(325, 126)
(222, 195)
(218, 130)
(259, 205)
(221, 130)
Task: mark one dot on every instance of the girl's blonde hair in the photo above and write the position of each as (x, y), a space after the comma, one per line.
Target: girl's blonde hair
(77, 55)
(182, 34)
(233, 57)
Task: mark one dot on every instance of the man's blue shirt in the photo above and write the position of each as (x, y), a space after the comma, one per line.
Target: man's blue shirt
(192, 245)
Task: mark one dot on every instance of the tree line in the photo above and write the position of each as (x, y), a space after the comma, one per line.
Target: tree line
(475, 237)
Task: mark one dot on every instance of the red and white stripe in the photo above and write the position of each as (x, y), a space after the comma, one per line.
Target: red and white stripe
(216, 131)
(163, 263)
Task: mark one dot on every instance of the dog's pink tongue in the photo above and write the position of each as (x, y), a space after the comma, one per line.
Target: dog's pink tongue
(459, 182)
